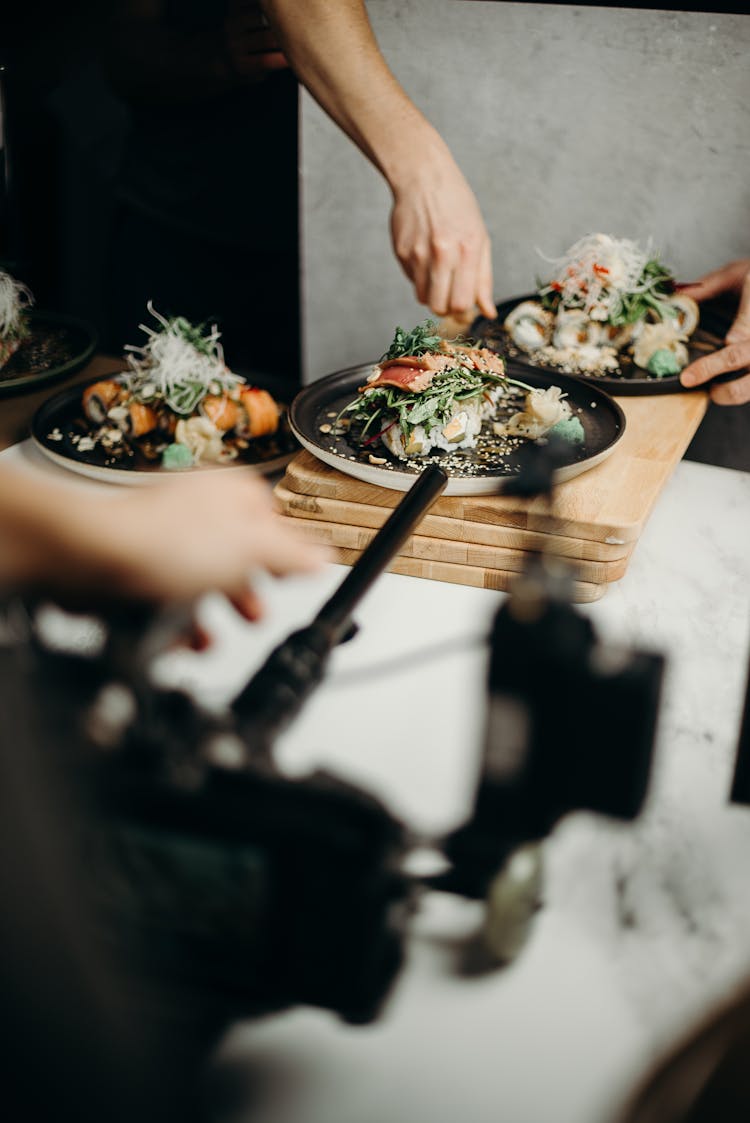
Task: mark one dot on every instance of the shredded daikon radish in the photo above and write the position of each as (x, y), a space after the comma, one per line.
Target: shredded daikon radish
(15, 298)
(179, 364)
(598, 271)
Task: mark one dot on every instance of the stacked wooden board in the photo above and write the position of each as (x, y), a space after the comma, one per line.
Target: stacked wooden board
(595, 519)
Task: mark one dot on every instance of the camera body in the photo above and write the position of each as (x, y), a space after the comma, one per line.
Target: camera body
(214, 881)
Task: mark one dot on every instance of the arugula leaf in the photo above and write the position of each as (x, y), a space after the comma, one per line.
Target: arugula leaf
(422, 410)
(424, 337)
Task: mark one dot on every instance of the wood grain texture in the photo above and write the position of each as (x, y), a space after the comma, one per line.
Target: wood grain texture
(306, 506)
(484, 540)
(480, 578)
(342, 536)
(608, 505)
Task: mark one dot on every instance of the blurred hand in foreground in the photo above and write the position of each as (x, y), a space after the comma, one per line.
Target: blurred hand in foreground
(731, 279)
(171, 541)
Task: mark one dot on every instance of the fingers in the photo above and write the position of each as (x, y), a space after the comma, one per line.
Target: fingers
(460, 277)
(485, 298)
(248, 604)
(183, 538)
(734, 277)
(740, 329)
(734, 357)
(729, 278)
(734, 393)
(455, 279)
(441, 276)
(282, 551)
(463, 290)
(198, 638)
(444, 253)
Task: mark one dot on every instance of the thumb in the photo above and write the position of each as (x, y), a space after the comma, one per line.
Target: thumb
(740, 329)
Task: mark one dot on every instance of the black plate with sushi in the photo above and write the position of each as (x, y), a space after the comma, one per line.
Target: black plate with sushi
(63, 432)
(55, 347)
(317, 412)
(177, 407)
(607, 310)
(629, 379)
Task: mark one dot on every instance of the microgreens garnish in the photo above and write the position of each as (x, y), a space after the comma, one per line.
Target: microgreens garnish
(181, 363)
(421, 339)
(611, 279)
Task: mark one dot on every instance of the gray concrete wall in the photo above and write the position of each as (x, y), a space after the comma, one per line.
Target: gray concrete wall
(565, 120)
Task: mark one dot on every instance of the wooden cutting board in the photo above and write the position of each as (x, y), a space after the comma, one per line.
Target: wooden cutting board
(351, 525)
(608, 505)
(420, 546)
(582, 591)
(299, 503)
(483, 541)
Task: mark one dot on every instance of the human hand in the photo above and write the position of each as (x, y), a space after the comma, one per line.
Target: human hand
(171, 541)
(440, 238)
(251, 46)
(733, 278)
(199, 533)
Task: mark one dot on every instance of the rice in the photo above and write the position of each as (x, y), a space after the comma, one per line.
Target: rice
(460, 430)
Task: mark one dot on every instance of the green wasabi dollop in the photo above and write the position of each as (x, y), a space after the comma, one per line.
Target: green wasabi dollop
(570, 430)
(663, 362)
(177, 456)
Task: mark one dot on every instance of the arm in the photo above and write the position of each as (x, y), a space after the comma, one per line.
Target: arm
(437, 229)
(169, 541)
(733, 278)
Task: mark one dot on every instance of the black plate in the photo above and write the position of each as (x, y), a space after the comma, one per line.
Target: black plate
(60, 419)
(320, 403)
(707, 337)
(57, 346)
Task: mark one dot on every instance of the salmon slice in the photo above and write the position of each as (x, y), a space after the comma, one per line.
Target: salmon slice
(141, 419)
(221, 410)
(259, 413)
(99, 398)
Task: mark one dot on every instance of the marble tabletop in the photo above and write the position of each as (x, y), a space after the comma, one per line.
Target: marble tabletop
(643, 926)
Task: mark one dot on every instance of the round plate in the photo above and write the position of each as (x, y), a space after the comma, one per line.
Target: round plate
(60, 421)
(320, 403)
(633, 380)
(57, 346)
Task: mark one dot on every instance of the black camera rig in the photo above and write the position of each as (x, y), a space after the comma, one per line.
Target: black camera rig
(211, 879)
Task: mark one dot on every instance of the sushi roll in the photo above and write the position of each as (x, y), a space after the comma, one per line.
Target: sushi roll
(683, 312)
(258, 414)
(140, 419)
(459, 431)
(573, 328)
(221, 410)
(529, 325)
(619, 336)
(100, 398)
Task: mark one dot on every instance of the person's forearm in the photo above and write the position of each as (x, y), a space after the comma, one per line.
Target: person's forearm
(332, 49)
(437, 229)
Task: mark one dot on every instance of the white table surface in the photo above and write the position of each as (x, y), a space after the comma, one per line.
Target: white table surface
(643, 926)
